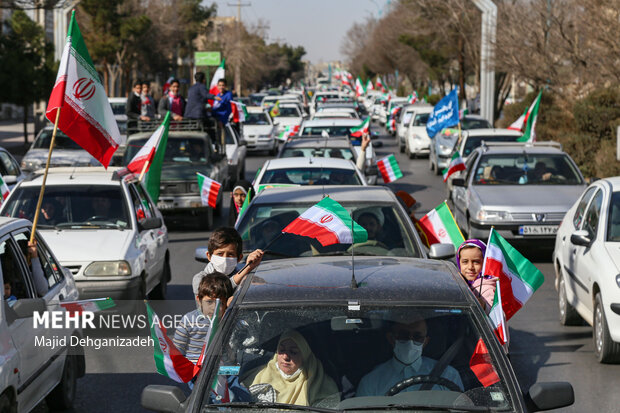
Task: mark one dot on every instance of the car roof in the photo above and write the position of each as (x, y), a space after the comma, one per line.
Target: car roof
(299, 162)
(331, 122)
(311, 193)
(518, 148)
(614, 181)
(255, 109)
(395, 279)
(314, 142)
(422, 108)
(492, 132)
(171, 135)
(8, 224)
(84, 175)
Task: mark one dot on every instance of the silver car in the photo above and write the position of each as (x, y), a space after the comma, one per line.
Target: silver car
(523, 190)
(66, 152)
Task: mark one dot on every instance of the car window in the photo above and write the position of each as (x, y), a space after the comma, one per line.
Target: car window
(591, 218)
(581, 208)
(150, 209)
(341, 153)
(526, 169)
(472, 142)
(467, 124)
(351, 357)
(420, 119)
(51, 270)
(406, 118)
(289, 112)
(257, 119)
(62, 141)
(8, 164)
(13, 273)
(311, 176)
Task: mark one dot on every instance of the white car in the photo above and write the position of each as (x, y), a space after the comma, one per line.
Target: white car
(417, 141)
(323, 97)
(103, 226)
(402, 123)
(345, 113)
(29, 372)
(259, 131)
(290, 115)
(587, 266)
(119, 108)
(309, 171)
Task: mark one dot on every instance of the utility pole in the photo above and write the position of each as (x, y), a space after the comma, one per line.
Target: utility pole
(238, 63)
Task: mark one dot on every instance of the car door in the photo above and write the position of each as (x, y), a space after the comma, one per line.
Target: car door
(160, 234)
(147, 242)
(459, 193)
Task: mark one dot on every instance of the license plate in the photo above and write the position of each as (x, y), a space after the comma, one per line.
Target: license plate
(163, 205)
(538, 229)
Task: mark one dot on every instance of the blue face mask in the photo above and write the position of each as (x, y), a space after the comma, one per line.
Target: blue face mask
(407, 351)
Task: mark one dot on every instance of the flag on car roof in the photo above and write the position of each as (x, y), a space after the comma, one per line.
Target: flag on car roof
(412, 98)
(393, 115)
(363, 128)
(329, 223)
(531, 116)
(518, 277)
(152, 179)
(369, 85)
(439, 226)
(445, 113)
(456, 164)
(288, 131)
(4, 190)
(379, 84)
(390, 171)
(275, 110)
(359, 88)
(482, 365)
(220, 73)
(93, 305)
(85, 112)
(145, 155)
(209, 189)
(239, 111)
(168, 359)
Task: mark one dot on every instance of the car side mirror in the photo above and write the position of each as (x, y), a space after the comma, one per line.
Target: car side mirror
(162, 398)
(200, 255)
(549, 395)
(26, 307)
(441, 251)
(460, 182)
(581, 238)
(9, 179)
(149, 223)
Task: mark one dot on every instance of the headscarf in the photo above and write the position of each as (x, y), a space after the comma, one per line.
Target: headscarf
(476, 243)
(233, 211)
(244, 186)
(304, 389)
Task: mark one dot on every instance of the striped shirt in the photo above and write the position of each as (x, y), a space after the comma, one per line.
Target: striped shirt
(190, 336)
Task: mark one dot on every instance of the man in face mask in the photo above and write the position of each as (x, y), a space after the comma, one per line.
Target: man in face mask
(407, 339)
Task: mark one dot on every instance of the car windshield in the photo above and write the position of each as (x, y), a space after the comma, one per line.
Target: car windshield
(62, 141)
(311, 176)
(331, 130)
(349, 358)
(71, 206)
(407, 117)
(389, 233)
(257, 119)
(420, 119)
(613, 220)
(342, 153)
(528, 169)
(118, 108)
(178, 150)
(289, 112)
(472, 142)
(467, 124)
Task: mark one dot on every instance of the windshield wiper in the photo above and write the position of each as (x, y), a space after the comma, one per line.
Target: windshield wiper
(423, 407)
(262, 405)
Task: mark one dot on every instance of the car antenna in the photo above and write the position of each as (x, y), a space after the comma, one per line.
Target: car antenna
(73, 172)
(353, 280)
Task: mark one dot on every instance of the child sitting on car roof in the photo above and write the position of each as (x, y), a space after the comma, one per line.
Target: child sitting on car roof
(469, 259)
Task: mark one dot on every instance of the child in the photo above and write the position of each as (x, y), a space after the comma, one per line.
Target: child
(7, 293)
(225, 250)
(469, 259)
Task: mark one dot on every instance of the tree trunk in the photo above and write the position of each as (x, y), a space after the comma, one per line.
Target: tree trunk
(461, 58)
(25, 125)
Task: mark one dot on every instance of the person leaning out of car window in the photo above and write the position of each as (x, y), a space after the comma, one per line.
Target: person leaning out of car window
(469, 259)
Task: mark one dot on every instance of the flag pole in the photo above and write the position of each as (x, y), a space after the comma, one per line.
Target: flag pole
(37, 211)
(353, 280)
(144, 168)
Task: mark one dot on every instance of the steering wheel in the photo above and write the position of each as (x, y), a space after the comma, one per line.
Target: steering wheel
(97, 218)
(412, 381)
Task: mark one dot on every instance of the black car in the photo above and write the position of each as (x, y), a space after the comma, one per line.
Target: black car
(345, 320)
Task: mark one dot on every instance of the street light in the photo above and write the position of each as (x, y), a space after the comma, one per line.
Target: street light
(487, 58)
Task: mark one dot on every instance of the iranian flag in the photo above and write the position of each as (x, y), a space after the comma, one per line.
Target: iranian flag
(142, 161)
(412, 98)
(85, 114)
(220, 73)
(329, 223)
(346, 82)
(482, 365)
(390, 171)
(498, 317)
(518, 277)
(167, 85)
(439, 226)
(239, 111)
(359, 88)
(168, 359)
(456, 164)
(531, 116)
(393, 115)
(209, 189)
(94, 305)
(287, 132)
(369, 85)
(362, 129)
(4, 190)
(379, 85)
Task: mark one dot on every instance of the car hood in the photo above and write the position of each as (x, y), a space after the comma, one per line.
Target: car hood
(88, 244)
(420, 131)
(288, 121)
(62, 157)
(528, 198)
(257, 129)
(184, 172)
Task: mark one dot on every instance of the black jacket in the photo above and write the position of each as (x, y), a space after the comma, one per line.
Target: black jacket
(196, 99)
(132, 107)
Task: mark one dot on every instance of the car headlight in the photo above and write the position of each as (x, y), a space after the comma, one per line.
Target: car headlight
(193, 187)
(31, 165)
(444, 150)
(109, 268)
(485, 215)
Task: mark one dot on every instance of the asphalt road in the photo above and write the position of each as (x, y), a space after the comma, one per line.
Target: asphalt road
(541, 349)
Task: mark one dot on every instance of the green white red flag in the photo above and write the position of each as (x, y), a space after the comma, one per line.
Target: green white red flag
(220, 73)
(412, 98)
(379, 84)
(518, 277)
(439, 226)
(393, 115)
(209, 189)
(359, 87)
(288, 131)
(369, 85)
(93, 305)
(239, 111)
(456, 164)
(498, 317)
(85, 112)
(363, 128)
(390, 171)
(146, 154)
(4, 190)
(329, 223)
(531, 116)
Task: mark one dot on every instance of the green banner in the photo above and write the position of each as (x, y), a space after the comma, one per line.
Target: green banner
(207, 58)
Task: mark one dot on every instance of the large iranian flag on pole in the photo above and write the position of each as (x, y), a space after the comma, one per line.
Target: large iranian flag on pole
(439, 226)
(390, 171)
(456, 164)
(518, 277)
(220, 73)
(329, 223)
(209, 190)
(144, 158)
(529, 134)
(85, 112)
(362, 129)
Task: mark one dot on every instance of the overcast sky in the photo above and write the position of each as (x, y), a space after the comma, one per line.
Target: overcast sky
(317, 25)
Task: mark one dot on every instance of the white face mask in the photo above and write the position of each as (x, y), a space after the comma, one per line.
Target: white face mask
(407, 351)
(223, 265)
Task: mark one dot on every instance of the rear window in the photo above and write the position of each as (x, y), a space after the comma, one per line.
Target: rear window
(257, 119)
(311, 176)
(472, 142)
(62, 141)
(331, 130)
(475, 124)
(420, 119)
(341, 153)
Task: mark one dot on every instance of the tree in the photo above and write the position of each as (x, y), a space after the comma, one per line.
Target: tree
(28, 67)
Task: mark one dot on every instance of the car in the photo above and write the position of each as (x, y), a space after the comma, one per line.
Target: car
(119, 108)
(402, 123)
(236, 153)
(31, 373)
(417, 141)
(324, 97)
(443, 143)
(103, 226)
(187, 152)
(9, 169)
(334, 127)
(377, 106)
(259, 131)
(66, 152)
(504, 187)
(345, 314)
(290, 116)
(392, 103)
(586, 261)
(309, 171)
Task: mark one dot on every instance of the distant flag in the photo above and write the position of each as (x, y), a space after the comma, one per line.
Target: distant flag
(152, 179)
(329, 223)
(209, 189)
(144, 158)
(412, 98)
(518, 124)
(166, 86)
(369, 86)
(287, 132)
(456, 164)
(275, 110)
(239, 111)
(360, 130)
(529, 134)
(392, 120)
(463, 112)
(85, 112)
(4, 190)
(379, 85)
(389, 169)
(220, 73)
(359, 88)
(439, 226)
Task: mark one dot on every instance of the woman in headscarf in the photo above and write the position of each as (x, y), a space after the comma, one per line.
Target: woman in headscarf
(470, 260)
(294, 373)
(241, 190)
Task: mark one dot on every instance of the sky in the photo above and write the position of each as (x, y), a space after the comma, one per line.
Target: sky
(317, 25)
